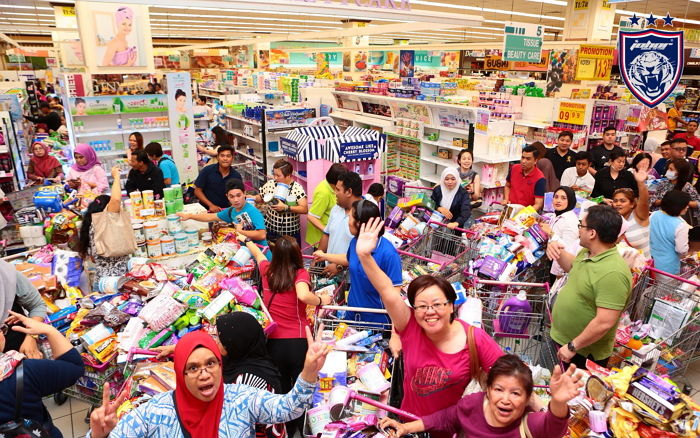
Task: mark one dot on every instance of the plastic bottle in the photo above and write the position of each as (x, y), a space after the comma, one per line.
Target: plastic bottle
(513, 317)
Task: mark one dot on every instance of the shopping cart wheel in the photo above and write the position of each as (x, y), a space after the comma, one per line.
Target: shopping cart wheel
(59, 398)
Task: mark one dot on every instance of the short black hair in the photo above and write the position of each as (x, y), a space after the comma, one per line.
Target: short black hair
(532, 150)
(584, 155)
(154, 148)
(606, 222)
(79, 100)
(141, 156)
(334, 172)
(674, 202)
(641, 156)
(693, 121)
(609, 128)
(680, 97)
(351, 181)
(376, 189)
(234, 184)
(224, 148)
(667, 142)
(678, 140)
(43, 104)
(179, 93)
(617, 153)
(363, 211)
(566, 134)
(284, 166)
(422, 282)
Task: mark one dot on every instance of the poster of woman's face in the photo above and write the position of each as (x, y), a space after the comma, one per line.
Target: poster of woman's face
(119, 39)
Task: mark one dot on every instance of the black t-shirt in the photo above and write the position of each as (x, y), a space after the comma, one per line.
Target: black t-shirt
(606, 186)
(559, 162)
(601, 156)
(152, 179)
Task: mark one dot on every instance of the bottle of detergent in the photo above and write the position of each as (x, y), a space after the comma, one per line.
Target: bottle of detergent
(514, 316)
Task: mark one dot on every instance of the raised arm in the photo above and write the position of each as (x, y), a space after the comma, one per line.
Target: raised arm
(115, 201)
(253, 248)
(367, 241)
(642, 208)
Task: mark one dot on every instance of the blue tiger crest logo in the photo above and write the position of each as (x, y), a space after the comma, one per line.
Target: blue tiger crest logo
(651, 63)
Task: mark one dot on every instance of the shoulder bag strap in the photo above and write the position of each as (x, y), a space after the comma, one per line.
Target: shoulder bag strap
(19, 390)
(185, 433)
(524, 428)
(474, 365)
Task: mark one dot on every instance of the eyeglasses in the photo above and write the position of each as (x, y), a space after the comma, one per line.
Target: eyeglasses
(684, 148)
(438, 307)
(196, 370)
(580, 225)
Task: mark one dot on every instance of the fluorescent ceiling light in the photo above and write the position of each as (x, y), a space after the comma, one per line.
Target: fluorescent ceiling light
(303, 14)
(217, 17)
(475, 8)
(29, 19)
(43, 8)
(550, 2)
(25, 13)
(235, 23)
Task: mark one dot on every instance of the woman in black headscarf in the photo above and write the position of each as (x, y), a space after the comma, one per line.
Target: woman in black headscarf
(564, 227)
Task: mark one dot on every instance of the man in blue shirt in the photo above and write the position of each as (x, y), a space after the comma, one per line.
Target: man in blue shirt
(165, 163)
(210, 186)
(247, 219)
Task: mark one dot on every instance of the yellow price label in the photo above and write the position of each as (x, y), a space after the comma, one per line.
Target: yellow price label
(572, 113)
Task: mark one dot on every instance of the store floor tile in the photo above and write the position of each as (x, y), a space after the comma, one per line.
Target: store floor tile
(55, 410)
(65, 425)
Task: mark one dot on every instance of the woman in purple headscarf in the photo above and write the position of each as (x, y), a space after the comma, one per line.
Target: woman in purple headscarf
(87, 173)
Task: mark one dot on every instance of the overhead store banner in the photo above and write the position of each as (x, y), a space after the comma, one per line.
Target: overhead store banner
(522, 42)
(496, 62)
(594, 63)
(651, 63)
(182, 124)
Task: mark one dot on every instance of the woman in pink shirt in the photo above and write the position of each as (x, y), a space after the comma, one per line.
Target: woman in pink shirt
(502, 411)
(87, 173)
(435, 345)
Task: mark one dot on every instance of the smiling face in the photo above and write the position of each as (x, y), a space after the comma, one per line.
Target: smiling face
(563, 144)
(560, 201)
(623, 204)
(125, 26)
(666, 151)
(38, 150)
(80, 160)
(203, 374)
(450, 182)
(466, 161)
(133, 143)
(431, 320)
(507, 400)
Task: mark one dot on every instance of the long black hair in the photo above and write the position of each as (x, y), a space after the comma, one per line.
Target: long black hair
(220, 136)
(96, 206)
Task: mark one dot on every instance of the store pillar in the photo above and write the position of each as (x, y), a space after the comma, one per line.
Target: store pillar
(353, 60)
(589, 20)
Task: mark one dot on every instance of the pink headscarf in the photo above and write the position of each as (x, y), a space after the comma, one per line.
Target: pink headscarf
(88, 152)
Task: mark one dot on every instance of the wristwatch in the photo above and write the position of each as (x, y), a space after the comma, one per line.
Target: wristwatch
(571, 347)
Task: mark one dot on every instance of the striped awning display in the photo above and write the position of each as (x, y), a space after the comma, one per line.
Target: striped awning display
(328, 143)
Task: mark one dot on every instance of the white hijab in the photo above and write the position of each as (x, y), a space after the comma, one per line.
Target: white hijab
(448, 195)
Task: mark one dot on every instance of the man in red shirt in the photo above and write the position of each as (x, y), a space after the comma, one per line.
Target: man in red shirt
(525, 182)
(689, 135)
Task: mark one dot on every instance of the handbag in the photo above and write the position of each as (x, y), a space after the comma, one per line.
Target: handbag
(22, 427)
(114, 236)
(477, 383)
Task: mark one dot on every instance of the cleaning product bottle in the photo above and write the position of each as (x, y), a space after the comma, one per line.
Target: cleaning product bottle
(514, 316)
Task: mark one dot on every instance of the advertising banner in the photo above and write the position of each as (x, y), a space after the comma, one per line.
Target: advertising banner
(522, 42)
(182, 134)
(141, 103)
(594, 62)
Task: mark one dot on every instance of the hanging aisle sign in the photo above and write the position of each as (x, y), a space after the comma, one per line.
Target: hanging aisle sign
(594, 63)
(522, 42)
(651, 63)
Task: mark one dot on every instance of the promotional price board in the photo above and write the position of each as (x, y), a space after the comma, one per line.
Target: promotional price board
(594, 63)
(572, 112)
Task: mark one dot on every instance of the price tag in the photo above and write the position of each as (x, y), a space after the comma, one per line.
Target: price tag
(572, 113)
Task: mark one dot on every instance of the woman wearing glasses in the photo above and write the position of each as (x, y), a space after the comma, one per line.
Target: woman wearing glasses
(202, 405)
(435, 344)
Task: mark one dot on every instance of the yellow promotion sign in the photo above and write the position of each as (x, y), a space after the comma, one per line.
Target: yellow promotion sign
(68, 11)
(572, 112)
(581, 5)
(594, 62)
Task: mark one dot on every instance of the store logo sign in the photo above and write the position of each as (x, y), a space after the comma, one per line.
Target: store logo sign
(404, 5)
(651, 63)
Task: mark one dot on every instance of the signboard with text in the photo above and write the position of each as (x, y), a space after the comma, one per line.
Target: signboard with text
(573, 113)
(522, 41)
(359, 150)
(594, 62)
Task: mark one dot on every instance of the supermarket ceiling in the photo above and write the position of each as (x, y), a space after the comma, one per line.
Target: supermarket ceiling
(182, 22)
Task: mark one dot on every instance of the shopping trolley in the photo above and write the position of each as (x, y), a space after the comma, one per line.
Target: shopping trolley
(670, 305)
(251, 175)
(319, 279)
(330, 321)
(518, 332)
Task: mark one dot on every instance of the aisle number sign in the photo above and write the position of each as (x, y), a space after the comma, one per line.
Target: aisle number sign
(522, 42)
(594, 63)
(573, 113)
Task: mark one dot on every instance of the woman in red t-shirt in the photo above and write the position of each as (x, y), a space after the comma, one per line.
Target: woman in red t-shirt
(286, 293)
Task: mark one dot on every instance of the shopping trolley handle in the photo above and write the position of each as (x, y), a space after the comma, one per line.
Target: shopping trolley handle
(355, 309)
(442, 224)
(510, 283)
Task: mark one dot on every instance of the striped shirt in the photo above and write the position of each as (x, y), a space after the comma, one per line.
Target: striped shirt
(637, 236)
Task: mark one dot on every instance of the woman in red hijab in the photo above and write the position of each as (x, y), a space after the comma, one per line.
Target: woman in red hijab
(43, 166)
(202, 406)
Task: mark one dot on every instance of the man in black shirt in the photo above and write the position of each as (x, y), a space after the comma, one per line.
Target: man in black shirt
(49, 117)
(601, 154)
(562, 157)
(144, 175)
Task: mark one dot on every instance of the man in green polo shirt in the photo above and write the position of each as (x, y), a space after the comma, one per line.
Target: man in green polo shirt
(322, 202)
(587, 310)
